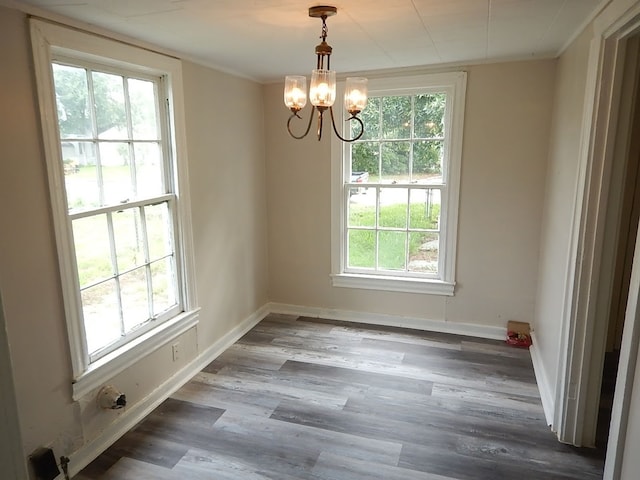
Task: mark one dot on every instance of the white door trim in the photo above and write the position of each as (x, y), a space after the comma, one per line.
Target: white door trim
(580, 336)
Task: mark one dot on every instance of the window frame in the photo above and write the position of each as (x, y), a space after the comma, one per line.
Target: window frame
(50, 41)
(454, 85)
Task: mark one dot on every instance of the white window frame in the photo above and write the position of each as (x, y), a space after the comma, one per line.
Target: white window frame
(51, 40)
(454, 85)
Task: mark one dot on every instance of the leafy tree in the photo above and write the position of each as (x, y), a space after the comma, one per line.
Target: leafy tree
(364, 157)
(397, 118)
(72, 97)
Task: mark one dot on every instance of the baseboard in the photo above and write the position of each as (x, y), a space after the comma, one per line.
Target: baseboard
(139, 411)
(546, 393)
(415, 323)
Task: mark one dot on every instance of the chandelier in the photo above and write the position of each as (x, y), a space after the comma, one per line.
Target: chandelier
(322, 91)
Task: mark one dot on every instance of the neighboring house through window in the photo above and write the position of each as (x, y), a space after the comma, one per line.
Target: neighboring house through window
(112, 117)
(396, 205)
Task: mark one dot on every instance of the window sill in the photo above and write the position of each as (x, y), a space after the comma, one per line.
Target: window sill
(107, 367)
(393, 284)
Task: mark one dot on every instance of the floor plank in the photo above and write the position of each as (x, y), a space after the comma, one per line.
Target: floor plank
(305, 398)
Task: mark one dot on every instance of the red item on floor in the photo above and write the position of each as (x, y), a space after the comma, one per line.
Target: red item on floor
(518, 339)
(518, 334)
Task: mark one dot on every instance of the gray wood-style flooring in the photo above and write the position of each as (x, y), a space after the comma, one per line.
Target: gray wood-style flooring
(305, 398)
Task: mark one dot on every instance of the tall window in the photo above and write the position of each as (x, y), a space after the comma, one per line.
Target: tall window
(119, 196)
(115, 167)
(399, 188)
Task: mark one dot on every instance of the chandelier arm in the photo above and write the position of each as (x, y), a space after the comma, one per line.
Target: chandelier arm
(352, 117)
(295, 114)
(320, 122)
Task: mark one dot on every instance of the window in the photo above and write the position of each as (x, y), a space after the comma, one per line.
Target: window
(111, 117)
(395, 208)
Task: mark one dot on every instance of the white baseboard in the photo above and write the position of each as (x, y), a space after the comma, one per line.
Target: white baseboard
(415, 323)
(135, 414)
(546, 393)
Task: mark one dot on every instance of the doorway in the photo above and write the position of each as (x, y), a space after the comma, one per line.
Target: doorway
(623, 215)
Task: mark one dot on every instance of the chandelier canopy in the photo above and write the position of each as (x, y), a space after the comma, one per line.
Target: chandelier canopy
(322, 91)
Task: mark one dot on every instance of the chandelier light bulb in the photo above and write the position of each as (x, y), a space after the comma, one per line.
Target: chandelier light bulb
(323, 88)
(355, 95)
(295, 92)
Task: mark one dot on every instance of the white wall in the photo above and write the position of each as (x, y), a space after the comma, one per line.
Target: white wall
(559, 201)
(225, 141)
(506, 136)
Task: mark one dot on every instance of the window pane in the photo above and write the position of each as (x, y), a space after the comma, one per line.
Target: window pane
(80, 175)
(423, 252)
(158, 230)
(365, 158)
(116, 174)
(395, 162)
(129, 239)
(392, 253)
(362, 213)
(72, 101)
(144, 114)
(427, 161)
(101, 315)
(425, 209)
(370, 116)
(429, 115)
(393, 207)
(93, 251)
(396, 117)
(164, 285)
(135, 298)
(108, 93)
(362, 248)
(148, 161)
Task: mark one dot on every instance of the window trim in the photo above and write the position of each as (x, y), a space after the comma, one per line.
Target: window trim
(454, 84)
(50, 39)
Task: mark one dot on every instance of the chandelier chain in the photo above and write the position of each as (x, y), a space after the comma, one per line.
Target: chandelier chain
(325, 29)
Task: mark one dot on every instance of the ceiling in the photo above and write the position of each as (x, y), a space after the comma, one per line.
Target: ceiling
(266, 39)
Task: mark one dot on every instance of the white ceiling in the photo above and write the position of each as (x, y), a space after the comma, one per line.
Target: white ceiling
(266, 39)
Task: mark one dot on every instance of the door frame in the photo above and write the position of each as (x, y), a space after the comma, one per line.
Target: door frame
(582, 337)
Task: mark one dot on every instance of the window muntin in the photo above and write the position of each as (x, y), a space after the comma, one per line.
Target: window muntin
(395, 187)
(120, 200)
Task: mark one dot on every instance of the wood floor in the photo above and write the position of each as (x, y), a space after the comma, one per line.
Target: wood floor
(303, 398)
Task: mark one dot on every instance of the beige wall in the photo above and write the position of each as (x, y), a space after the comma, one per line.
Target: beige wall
(559, 204)
(225, 137)
(506, 134)
(29, 278)
(227, 173)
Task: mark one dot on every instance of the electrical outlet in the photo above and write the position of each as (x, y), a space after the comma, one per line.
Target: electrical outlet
(175, 350)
